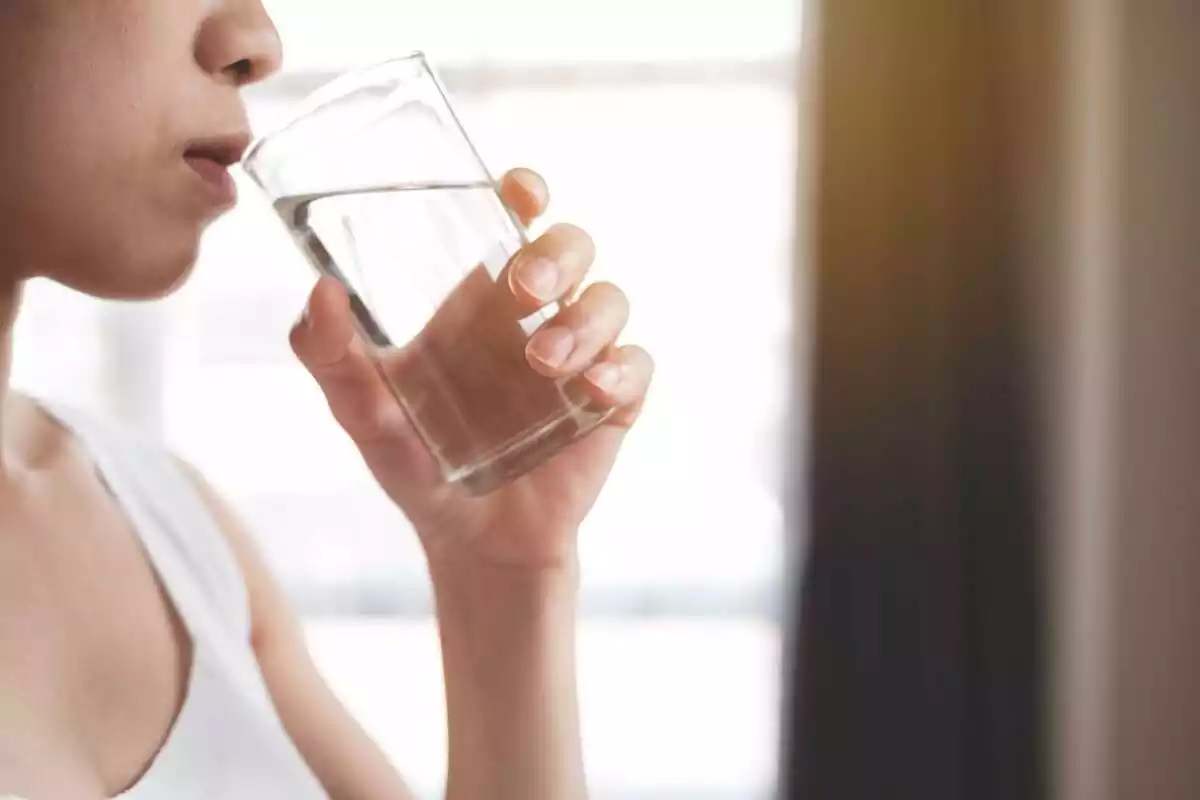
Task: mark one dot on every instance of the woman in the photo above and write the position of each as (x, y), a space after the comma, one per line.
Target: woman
(145, 651)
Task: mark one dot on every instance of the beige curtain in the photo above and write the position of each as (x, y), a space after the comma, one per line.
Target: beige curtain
(1126, 662)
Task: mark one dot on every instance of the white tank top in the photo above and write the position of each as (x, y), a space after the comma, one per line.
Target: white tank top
(228, 742)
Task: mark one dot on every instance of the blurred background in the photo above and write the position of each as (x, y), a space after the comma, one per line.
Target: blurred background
(667, 129)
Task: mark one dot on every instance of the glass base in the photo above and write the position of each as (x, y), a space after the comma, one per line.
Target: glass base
(525, 455)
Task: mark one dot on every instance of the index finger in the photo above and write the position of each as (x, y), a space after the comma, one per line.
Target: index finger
(525, 192)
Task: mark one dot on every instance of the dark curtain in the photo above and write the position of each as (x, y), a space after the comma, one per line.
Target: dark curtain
(918, 646)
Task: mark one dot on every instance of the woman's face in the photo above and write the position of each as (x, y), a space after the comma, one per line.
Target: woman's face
(115, 115)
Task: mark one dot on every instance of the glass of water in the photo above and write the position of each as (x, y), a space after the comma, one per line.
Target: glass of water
(382, 189)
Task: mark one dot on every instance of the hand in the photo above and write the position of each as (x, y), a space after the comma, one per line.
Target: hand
(531, 522)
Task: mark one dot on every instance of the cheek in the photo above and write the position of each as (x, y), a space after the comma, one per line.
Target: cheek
(73, 171)
(95, 194)
(90, 180)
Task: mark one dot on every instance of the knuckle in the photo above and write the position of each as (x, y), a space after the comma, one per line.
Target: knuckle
(529, 179)
(566, 230)
(600, 309)
(572, 237)
(610, 297)
(377, 422)
(364, 418)
(609, 291)
(640, 359)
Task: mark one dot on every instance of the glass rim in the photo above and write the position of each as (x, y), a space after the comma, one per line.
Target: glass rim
(329, 92)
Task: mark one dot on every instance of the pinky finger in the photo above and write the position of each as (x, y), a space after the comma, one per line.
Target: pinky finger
(621, 378)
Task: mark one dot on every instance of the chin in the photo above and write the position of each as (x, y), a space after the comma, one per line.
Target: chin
(135, 276)
(157, 280)
(158, 283)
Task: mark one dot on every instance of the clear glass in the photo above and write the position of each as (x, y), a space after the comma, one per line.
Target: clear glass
(382, 190)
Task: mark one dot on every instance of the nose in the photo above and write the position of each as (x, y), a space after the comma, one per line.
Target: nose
(238, 43)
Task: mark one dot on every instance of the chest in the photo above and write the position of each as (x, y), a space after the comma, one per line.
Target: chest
(90, 647)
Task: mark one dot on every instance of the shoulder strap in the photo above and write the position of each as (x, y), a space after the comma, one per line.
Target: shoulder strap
(181, 537)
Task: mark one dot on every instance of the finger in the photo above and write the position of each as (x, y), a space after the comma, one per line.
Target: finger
(622, 379)
(580, 333)
(546, 270)
(325, 341)
(525, 193)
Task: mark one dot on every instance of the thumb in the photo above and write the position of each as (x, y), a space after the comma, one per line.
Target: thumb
(325, 341)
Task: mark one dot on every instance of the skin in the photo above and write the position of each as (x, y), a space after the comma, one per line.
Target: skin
(101, 99)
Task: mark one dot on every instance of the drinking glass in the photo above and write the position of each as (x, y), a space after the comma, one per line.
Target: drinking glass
(382, 189)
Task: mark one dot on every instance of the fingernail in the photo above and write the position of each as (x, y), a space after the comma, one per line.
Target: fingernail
(605, 376)
(552, 346)
(539, 278)
(305, 318)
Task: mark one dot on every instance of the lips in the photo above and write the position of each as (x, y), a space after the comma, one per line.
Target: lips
(210, 159)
